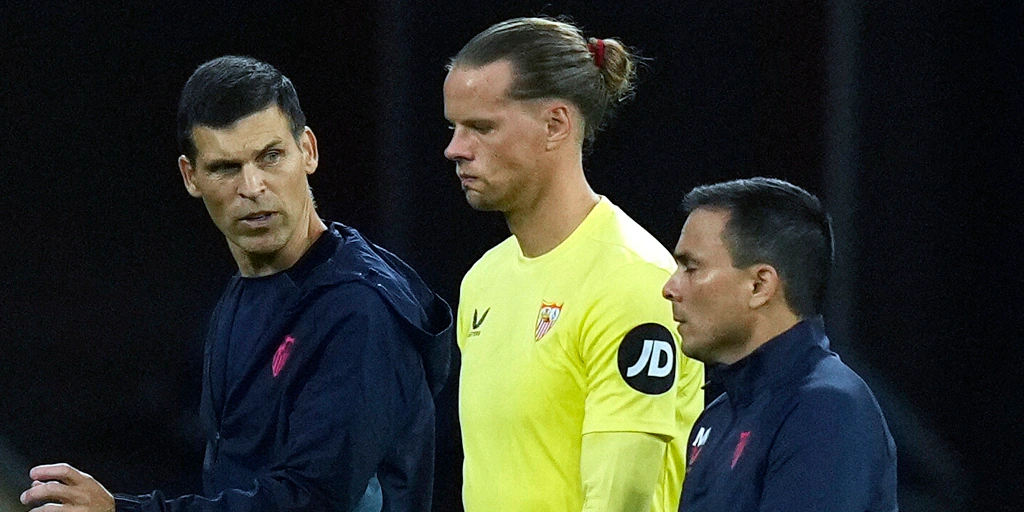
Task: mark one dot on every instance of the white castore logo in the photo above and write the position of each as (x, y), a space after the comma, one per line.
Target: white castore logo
(652, 354)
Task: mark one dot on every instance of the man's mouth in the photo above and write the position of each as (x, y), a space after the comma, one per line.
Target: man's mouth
(465, 180)
(257, 219)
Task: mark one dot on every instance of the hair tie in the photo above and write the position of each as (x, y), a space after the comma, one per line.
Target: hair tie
(597, 50)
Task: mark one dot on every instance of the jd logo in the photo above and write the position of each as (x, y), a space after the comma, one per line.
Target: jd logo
(647, 359)
(651, 358)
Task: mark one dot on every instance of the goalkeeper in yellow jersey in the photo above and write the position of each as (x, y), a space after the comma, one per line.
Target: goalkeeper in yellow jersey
(574, 394)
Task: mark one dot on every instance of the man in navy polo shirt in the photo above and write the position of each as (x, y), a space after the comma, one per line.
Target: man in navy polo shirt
(796, 429)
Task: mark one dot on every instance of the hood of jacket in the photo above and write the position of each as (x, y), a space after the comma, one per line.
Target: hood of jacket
(425, 314)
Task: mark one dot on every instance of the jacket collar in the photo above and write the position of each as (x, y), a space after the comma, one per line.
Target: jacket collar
(321, 250)
(780, 360)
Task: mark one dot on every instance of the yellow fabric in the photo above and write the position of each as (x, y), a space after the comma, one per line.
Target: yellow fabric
(617, 472)
(525, 401)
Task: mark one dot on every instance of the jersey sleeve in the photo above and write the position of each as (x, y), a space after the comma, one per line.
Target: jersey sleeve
(616, 470)
(630, 353)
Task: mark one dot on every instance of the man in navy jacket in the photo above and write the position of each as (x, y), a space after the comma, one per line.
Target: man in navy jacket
(324, 351)
(796, 429)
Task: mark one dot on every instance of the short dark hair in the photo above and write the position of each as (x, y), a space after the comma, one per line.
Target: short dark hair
(229, 88)
(779, 224)
(552, 59)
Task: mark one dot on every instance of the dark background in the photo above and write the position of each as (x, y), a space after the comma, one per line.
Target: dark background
(905, 117)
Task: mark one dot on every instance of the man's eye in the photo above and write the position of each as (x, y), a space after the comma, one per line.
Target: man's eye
(272, 157)
(224, 170)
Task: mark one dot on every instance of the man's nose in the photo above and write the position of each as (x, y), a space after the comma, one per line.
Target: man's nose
(670, 291)
(252, 181)
(458, 147)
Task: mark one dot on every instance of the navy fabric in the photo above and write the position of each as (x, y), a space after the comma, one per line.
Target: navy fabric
(795, 430)
(255, 305)
(335, 396)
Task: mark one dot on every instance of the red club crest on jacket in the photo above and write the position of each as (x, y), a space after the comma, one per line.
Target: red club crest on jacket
(284, 351)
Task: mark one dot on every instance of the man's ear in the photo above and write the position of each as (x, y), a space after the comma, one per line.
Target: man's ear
(765, 285)
(310, 154)
(560, 124)
(188, 173)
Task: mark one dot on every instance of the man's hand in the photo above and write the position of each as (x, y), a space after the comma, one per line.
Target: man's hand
(62, 488)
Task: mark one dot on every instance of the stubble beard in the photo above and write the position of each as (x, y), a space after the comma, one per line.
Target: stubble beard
(720, 343)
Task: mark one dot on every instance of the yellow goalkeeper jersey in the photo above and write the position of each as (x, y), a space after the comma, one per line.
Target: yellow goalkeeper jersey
(575, 341)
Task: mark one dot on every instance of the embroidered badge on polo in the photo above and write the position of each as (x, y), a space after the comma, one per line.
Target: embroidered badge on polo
(284, 351)
(546, 318)
(744, 437)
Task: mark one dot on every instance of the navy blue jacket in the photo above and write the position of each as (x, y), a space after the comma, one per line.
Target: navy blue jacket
(796, 430)
(336, 397)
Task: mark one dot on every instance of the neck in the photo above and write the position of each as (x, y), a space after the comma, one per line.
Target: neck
(554, 213)
(260, 265)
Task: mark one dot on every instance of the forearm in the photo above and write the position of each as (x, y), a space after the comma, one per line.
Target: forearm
(237, 500)
(621, 470)
(281, 493)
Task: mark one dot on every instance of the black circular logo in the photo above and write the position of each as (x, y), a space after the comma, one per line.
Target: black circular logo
(647, 359)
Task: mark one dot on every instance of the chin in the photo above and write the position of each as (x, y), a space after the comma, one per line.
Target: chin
(693, 351)
(478, 203)
(265, 245)
(697, 349)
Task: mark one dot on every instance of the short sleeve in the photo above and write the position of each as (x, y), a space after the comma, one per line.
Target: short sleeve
(630, 353)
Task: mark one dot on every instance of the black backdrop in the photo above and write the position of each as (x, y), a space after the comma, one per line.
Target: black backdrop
(906, 119)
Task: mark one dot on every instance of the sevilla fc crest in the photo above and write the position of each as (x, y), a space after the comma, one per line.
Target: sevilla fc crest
(549, 313)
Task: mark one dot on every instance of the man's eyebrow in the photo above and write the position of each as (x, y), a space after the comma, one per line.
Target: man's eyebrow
(275, 142)
(683, 258)
(222, 165)
(472, 120)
